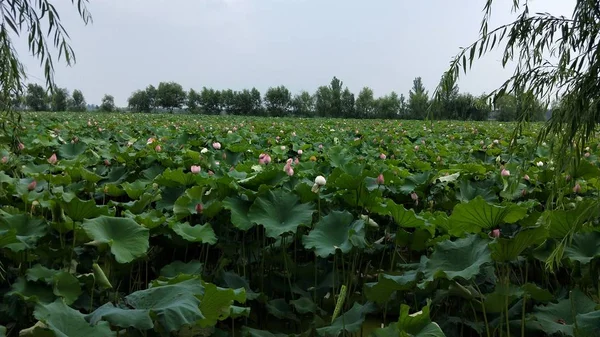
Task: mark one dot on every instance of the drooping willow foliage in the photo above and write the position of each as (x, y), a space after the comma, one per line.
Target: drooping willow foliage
(40, 22)
(556, 59)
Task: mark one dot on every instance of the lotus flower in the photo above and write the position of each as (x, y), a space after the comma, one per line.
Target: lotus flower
(382, 156)
(52, 160)
(296, 161)
(32, 185)
(4, 160)
(199, 208)
(21, 146)
(319, 181)
(496, 233)
(380, 179)
(158, 148)
(587, 155)
(526, 177)
(106, 162)
(496, 141)
(299, 152)
(540, 163)
(505, 173)
(416, 147)
(288, 167)
(195, 169)
(264, 159)
(216, 145)
(415, 197)
(577, 188)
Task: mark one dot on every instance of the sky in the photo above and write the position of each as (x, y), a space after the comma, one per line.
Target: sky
(302, 44)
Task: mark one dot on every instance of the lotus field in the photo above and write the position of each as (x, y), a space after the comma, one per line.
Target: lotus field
(167, 225)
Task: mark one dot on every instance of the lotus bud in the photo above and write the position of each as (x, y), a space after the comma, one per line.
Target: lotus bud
(32, 185)
(505, 173)
(380, 179)
(52, 160)
(320, 180)
(195, 169)
(587, 155)
(299, 152)
(526, 177)
(382, 156)
(199, 208)
(4, 160)
(496, 233)
(21, 146)
(577, 188)
(216, 145)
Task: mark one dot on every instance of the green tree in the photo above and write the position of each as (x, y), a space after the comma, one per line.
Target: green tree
(36, 98)
(108, 103)
(388, 106)
(365, 103)
(323, 100)
(303, 105)
(418, 100)
(77, 102)
(170, 95)
(278, 101)
(60, 97)
(445, 105)
(210, 101)
(228, 101)
(336, 105)
(248, 102)
(348, 104)
(193, 101)
(139, 101)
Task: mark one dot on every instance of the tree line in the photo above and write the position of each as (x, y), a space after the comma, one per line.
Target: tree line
(333, 100)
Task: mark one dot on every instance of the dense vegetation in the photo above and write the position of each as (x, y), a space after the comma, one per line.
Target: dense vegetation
(117, 224)
(328, 101)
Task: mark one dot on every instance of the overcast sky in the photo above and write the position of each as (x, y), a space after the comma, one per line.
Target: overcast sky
(302, 44)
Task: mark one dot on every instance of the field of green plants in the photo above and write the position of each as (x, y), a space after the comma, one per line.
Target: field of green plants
(163, 225)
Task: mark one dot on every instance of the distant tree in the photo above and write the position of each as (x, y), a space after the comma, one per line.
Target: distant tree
(60, 98)
(323, 101)
(403, 111)
(210, 101)
(248, 102)
(348, 104)
(108, 103)
(77, 102)
(418, 100)
(303, 105)
(506, 106)
(365, 103)
(140, 101)
(388, 106)
(36, 98)
(170, 95)
(445, 105)
(336, 109)
(193, 101)
(228, 101)
(152, 93)
(278, 101)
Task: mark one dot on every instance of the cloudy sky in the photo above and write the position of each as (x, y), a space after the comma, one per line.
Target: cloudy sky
(302, 44)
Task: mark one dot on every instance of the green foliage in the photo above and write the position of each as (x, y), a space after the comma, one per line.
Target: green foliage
(278, 101)
(431, 239)
(60, 98)
(108, 103)
(36, 98)
(170, 95)
(77, 102)
(418, 100)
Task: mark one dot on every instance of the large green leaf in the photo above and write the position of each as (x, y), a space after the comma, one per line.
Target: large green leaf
(20, 231)
(584, 247)
(477, 214)
(239, 212)
(121, 317)
(199, 233)
(72, 150)
(336, 230)
(382, 290)
(461, 259)
(509, 249)
(172, 305)
(67, 286)
(351, 321)
(280, 212)
(127, 240)
(173, 269)
(79, 210)
(560, 317)
(216, 303)
(66, 322)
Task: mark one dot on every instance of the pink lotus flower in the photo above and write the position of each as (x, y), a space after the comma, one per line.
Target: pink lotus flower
(380, 179)
(505, 172)
(496, 233)
(526, 177)
(382, 156)
(4, 160)
(32, 185)
(216, 145)
(415, 197)
(264, 159)
(320, 146)
(195, 169)
(150, 140)
(52, 160)
(21, 146)
(587, 155)
(106, 162)
(296, 161)
(288, 167)
(158, 148)
(199, 208)
(577, 188)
